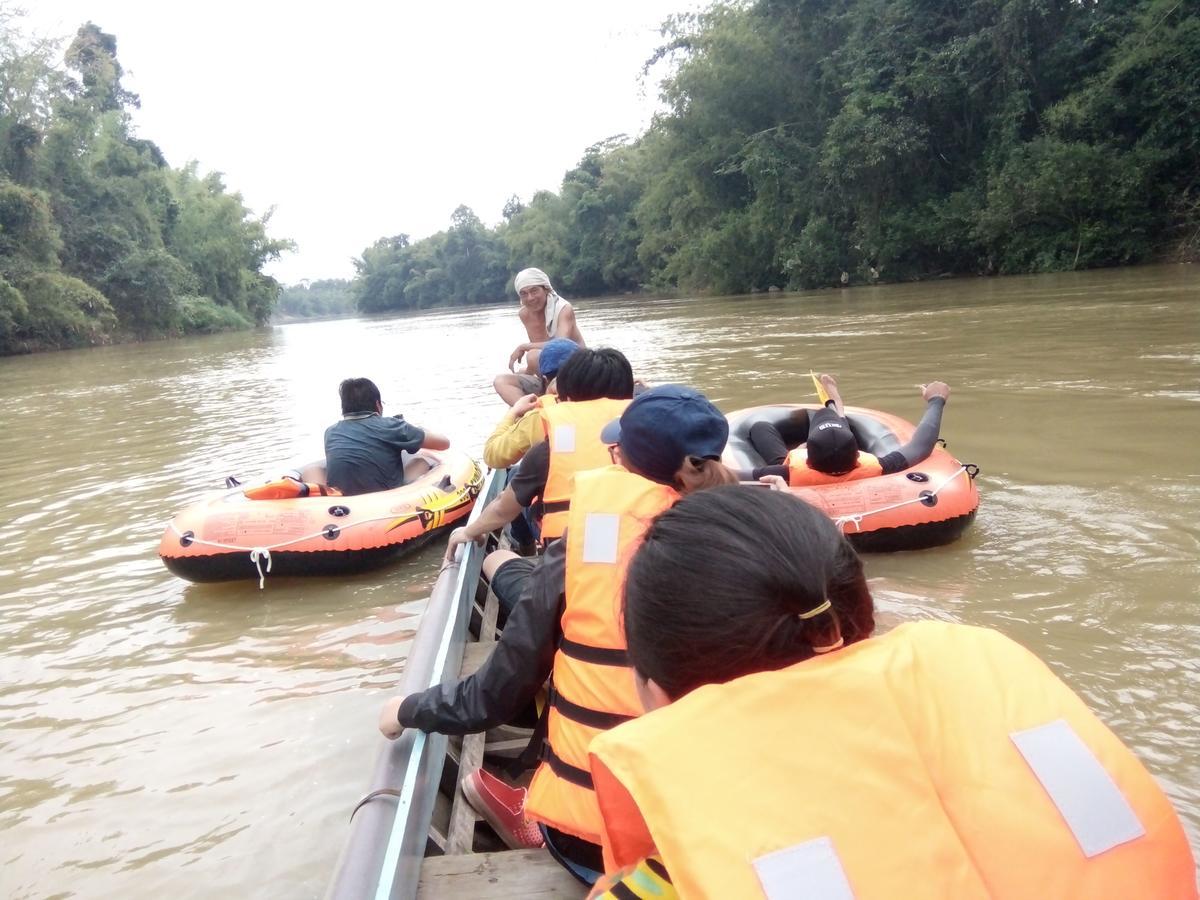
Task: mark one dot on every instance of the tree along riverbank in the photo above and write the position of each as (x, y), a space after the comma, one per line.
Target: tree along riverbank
(809, 144)
(100, 239)
(804, 144)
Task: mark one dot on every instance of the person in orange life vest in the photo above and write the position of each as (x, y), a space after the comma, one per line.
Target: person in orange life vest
(670, 440)
(830, 451)
(545, 316)
(593, 386)
(523, 426)
(780, 748)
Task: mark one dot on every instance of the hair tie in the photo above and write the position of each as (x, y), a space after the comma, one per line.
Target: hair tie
(836, 645)
(815, 611)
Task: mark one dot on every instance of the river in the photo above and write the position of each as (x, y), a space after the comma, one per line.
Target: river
(211, 740)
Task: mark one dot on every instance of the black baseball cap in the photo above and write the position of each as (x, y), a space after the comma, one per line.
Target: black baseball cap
(831, 446)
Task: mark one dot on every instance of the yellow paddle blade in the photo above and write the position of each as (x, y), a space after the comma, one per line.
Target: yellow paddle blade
(821, 394)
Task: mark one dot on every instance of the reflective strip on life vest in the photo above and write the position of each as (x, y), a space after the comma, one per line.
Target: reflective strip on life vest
(1089, 800)
(811, 869)
(564, 438)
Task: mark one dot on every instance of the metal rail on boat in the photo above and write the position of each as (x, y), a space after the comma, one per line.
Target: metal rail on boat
(388, 832)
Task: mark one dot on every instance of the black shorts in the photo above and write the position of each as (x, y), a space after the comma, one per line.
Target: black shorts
(510, 580)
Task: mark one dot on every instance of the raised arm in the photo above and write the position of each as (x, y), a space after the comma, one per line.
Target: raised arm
(936, 393)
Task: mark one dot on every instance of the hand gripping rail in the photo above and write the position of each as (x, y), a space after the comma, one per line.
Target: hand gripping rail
(382, 855)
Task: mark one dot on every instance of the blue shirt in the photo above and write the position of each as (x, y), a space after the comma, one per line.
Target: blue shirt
(363, 452)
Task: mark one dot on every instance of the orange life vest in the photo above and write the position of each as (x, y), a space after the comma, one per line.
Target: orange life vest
(287, 487)
(573, 432)
(592, 685)
(801, 475)
(940, 760)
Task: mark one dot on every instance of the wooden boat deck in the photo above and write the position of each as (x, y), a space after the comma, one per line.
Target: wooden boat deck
(460, 871)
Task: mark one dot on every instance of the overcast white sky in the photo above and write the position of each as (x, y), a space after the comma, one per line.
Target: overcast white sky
(357, 119)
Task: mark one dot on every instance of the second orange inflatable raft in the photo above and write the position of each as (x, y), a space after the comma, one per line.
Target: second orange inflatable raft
(926, 505)
(285, 527)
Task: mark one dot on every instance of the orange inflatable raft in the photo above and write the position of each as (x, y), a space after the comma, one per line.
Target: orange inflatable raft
(286, 527)
(926, 505)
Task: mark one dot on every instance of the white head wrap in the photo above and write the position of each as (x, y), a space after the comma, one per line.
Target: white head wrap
(554, 303)
(529, 277)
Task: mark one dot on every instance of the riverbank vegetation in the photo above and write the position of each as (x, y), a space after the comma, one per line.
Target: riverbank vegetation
(809, 143)
(327, 298)
(100, 239)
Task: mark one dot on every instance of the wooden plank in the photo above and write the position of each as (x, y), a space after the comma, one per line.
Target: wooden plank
(490, 876)
(461, 833)
(474, 655)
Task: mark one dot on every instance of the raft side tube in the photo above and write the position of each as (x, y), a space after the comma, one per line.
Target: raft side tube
(238, 565)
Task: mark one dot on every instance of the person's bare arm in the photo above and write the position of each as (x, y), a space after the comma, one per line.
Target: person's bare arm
(568, 327)
(495, 516)
(435, 441)
(535, 330)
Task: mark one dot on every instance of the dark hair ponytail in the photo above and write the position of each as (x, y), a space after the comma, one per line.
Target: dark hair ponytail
(726, 582)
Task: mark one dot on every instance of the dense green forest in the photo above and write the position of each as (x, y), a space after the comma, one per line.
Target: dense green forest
(809, 143)
(803, 144)
(100, 239)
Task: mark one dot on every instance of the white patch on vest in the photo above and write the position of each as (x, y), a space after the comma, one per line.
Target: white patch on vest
(1089, 800)
(808, 871)
(600, 532)
(564, 438)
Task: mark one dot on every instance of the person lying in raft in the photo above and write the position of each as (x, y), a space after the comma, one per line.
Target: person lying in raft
(365, 451)
(545, 316)
(784, 746)
(830, 452)
(566, 627)
(594, 386)
(521, 426)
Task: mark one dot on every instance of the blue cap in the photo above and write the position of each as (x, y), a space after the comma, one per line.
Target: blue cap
(663, 427)
(554, 354)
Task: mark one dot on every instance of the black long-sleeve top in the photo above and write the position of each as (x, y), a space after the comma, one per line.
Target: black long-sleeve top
(916, 450)
(517, 668)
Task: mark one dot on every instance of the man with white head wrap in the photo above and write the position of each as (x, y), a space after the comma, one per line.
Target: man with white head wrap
(545, 316)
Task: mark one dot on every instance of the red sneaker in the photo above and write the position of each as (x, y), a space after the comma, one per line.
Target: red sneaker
(502, 807)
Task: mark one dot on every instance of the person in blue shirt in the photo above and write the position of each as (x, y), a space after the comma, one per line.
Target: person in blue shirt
(366, 451)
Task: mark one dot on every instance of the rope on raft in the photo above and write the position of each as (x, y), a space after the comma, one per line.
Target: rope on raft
(856, 518)
(260, 553)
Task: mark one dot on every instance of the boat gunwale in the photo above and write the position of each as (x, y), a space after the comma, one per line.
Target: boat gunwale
(383, 852)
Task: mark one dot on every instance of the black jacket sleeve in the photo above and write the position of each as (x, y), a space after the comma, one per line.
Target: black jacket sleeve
(517, 668)
(921, 444)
